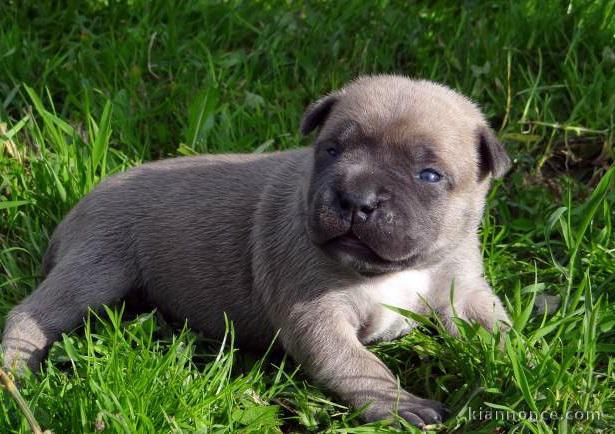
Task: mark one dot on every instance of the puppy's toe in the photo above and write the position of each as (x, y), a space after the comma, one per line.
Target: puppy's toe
(413, 418)
(419, 412)
(429, 411)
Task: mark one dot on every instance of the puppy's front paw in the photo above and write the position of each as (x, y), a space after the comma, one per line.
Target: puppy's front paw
(481, 306)
(424, 412)
(417, 411)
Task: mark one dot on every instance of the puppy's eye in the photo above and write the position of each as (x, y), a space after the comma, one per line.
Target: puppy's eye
(332, 152)
(429, 175)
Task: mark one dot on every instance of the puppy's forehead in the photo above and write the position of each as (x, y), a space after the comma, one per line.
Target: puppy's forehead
(414, 113)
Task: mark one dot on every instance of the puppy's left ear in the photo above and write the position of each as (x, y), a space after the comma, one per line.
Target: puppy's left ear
(317, 113)
(492, 156)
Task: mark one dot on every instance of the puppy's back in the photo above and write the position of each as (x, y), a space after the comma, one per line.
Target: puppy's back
(184, 226)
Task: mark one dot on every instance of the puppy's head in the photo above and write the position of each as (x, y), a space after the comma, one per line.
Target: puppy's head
(401, 170)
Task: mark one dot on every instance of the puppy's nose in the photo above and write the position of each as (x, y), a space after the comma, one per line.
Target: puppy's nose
(361, 205)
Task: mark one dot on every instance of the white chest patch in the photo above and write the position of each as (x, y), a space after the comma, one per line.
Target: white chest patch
(406, 290)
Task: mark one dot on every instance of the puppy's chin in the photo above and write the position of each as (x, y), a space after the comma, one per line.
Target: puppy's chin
(349, 251)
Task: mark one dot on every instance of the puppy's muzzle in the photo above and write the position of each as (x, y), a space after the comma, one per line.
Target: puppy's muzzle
(359, 206)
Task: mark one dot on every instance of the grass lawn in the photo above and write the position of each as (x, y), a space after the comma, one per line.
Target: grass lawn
(89, 88)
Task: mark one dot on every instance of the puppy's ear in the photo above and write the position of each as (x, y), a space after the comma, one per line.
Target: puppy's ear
(492, 157)
(317, 113)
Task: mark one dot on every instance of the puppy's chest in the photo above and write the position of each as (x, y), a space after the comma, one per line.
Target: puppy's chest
(406, 290)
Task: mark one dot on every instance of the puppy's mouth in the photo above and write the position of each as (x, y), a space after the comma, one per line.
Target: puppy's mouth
(351, 250)
(350, 244)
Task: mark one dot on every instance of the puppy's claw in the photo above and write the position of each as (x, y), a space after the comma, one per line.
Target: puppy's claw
(424, 413)
(413, 418)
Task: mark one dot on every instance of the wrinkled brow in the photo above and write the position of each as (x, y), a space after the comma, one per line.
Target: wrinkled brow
(348, 130)
(344, 131)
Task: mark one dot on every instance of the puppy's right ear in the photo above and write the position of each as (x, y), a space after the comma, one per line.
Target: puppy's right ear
(317, 113)
(493, 158)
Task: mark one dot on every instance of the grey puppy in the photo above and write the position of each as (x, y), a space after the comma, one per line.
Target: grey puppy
(382, 209)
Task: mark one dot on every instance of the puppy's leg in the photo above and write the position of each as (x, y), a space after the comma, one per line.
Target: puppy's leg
(59, 304)
(326, 345)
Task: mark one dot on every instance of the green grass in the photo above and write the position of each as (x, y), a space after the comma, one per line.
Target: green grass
(89, 88)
